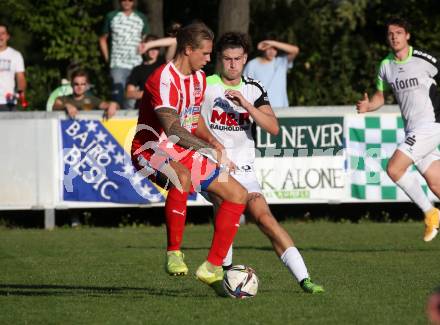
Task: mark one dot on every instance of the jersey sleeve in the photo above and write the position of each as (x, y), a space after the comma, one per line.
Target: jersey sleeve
(381, 83)
(248, 70)
(19, 63)
(146, 28)
(163, 92)
(107, 20)
(436, 62)
(261, 96)
(132, 78)
(284, 62)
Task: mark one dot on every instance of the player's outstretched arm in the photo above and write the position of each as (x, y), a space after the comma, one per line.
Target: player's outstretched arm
(169, 42)
(291, 50)
(170, 122)
(366, 104)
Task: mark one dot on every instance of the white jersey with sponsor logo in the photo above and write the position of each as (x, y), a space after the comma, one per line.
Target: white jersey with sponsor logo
(231, 124)
(413, 84)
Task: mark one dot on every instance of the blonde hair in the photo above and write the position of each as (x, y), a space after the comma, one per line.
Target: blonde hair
(192, 35)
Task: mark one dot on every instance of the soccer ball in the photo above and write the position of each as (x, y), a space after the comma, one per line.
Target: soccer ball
(240, 282)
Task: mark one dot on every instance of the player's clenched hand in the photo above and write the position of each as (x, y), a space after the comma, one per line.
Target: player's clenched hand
(362, 105)
(237, 98)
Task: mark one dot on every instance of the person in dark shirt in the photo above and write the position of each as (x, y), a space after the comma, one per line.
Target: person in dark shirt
(150, 49)
(81, 100)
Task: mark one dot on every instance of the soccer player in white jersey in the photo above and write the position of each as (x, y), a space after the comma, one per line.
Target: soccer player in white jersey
(232, 105)
(410, 73)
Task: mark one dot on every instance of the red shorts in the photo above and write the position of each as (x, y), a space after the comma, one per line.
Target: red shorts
(151, 162)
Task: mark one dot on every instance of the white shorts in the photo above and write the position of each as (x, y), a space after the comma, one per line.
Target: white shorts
(421, 146)
(245, 175)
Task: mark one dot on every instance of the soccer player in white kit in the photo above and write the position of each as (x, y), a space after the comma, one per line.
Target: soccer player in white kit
(232, 105)
(410, 73)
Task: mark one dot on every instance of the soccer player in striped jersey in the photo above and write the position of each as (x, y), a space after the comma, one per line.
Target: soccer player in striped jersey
(233, 105)
(172, 146)
(410, 74)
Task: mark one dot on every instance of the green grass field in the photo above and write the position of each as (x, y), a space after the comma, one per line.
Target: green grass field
(374, 273)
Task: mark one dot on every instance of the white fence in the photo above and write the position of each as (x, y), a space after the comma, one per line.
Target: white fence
(309, 162)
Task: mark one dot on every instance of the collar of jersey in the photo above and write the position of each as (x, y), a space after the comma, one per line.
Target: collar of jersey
(410, 52)
(178, 72)
(216, 79)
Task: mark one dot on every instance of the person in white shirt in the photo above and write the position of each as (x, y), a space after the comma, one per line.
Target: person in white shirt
(12, 77)
(410, 73)
(232, 105)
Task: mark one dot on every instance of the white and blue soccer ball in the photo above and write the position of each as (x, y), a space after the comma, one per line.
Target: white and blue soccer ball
(240, 282)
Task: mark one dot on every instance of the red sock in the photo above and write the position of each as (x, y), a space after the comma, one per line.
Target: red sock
(225, 228)
(175, 215)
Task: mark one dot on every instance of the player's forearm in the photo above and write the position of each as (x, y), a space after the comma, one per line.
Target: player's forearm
(204, 134)
(161, 42)
(170, 122)
(376, 102)
(21, 82)
(186, 139)
(286, 47)
(265, 118)
(104, 47)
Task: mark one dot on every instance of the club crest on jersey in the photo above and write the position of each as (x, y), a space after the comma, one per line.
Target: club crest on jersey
(197, 90)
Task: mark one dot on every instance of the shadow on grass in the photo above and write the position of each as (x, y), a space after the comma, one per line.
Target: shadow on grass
(311, 249)
(91, 291)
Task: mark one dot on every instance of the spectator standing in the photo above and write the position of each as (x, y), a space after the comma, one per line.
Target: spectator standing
(152, 59)
(271, 69)
(125, 28)
(80, 100)
(11, 70)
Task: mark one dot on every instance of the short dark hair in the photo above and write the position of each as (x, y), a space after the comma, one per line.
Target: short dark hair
(233, 40)
(80, 73)
(149, 37)
(192, 35)
(5, 26)
(398, 21)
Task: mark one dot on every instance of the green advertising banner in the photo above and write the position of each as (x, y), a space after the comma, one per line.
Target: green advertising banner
(370, 143)
(303, 136)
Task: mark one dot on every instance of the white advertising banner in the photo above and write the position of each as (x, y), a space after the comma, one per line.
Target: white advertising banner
(302, 179)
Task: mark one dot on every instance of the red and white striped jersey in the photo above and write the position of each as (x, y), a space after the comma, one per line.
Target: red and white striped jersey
(167, 87)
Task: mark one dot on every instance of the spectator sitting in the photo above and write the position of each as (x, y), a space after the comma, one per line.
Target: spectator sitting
(272, 70)
(151, 60)
(11, 68)
(64, 90)
(124, 28)
(79, 100)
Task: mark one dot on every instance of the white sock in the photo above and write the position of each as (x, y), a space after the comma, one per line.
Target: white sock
(295, 263)
(228, 259)
(411, 186)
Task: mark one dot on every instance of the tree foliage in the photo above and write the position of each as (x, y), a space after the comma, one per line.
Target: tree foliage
(64, 32)
(341, 41)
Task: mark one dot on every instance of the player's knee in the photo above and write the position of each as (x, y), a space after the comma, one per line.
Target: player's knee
(433, 184)
(394, 173)
(185, 179)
